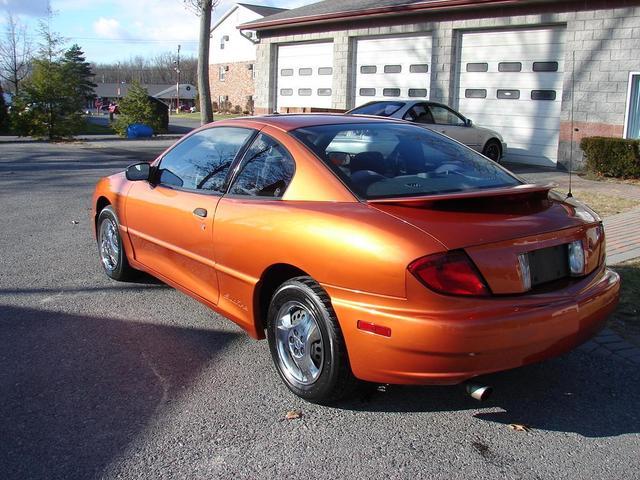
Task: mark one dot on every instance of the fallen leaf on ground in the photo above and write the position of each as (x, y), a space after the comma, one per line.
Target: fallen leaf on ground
(519, 427)
(293, 415)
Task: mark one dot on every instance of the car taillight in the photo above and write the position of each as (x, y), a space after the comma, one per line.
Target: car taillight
(451, 273)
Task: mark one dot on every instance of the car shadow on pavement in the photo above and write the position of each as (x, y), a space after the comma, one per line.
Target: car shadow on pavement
(76, 390)
(587, 394)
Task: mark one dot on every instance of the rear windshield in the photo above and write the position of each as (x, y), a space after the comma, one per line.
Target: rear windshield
(386, 160)
(381, 109)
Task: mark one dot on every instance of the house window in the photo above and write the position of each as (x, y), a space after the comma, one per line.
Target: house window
(304, 92)
(510, 67)
(286, 92)
(305, 72)
(221, 73)
(508, 94)
(367, 92)
(324, 92)
(419, 68)
(543, 94)
(368, 69)
(417, 92)
(475, 93)
(325, 71)
(477, 67)
(392, 68)
(391, 92)
(286, 72)
(632, 120)
(545, 66)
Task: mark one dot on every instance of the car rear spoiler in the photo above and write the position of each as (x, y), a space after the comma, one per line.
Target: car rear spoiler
(424, 200)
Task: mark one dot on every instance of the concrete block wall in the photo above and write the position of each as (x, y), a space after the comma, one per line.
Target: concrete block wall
(604, 42)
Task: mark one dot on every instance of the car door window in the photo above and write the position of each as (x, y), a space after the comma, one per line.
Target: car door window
(444, 116)
(419, 114)
(266, 171)
(202, 161)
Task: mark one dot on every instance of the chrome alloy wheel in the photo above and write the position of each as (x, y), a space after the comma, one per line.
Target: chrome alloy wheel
(299, 343)
(109, 244)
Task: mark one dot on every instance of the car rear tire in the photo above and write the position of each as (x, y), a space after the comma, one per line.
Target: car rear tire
(492, 150)
(110, 248)
(306, 342)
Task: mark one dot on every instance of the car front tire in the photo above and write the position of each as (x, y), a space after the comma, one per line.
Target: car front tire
(492, 150)
(111, 250)
(306, 342)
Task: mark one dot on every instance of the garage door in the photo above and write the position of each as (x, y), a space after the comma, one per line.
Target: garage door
(391, 68)
(305, 73)
(511, 82)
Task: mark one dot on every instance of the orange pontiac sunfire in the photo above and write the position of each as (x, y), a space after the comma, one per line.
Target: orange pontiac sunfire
(362, 248)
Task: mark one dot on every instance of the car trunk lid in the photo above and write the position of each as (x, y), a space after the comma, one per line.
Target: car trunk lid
(497, 227)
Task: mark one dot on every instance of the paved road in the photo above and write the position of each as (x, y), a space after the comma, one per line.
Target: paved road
(100, 379)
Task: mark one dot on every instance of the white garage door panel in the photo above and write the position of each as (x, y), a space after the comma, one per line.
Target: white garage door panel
(529, 126)
(309, 56)
(393, 52)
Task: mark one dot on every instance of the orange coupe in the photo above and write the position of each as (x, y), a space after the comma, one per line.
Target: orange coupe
(362, 248)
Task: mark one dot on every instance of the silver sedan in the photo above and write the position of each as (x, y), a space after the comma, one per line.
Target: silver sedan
(440, 118)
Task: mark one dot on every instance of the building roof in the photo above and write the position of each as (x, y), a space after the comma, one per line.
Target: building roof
(164, 90)
(259, 9)
(263, 10)
(341, 10)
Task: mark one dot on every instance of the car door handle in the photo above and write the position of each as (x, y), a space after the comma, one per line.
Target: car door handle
(200, 212)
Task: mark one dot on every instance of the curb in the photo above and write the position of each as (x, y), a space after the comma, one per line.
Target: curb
(608, 343)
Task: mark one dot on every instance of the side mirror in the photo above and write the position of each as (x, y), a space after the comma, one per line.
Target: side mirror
(468, 122)
(138, 171)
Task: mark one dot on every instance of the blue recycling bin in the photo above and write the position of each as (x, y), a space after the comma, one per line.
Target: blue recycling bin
(139, 130)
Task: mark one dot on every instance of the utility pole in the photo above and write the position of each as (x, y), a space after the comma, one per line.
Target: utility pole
(177, 69)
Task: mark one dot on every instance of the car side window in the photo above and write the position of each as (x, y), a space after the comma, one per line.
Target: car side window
(419, 114)
(202, 161)
(444, 116)
(267, 170)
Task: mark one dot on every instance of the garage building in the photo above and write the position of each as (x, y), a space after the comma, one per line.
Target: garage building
(542, 73)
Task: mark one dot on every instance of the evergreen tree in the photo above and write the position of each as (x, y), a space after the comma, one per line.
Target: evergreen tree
(3, 111)
(136, 107)
(76, 65)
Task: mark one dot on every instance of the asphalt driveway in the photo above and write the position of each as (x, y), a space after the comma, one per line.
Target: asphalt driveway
(100, 379)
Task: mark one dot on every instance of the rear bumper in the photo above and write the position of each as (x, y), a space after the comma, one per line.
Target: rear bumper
(448, 348)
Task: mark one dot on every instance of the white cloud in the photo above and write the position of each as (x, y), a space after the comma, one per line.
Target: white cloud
(109, 28)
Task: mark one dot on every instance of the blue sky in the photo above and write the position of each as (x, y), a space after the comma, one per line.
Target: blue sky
(112, 30)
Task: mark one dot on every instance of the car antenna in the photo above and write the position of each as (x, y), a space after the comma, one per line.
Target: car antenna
(573, 91)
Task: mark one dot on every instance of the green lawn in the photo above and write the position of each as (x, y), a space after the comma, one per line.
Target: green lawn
(94, 129)
(216, 116)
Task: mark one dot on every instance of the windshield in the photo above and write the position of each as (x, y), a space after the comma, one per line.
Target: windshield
(380, 109)
(401, 160)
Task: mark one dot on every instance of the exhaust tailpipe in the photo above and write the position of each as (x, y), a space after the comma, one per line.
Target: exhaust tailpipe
(477, 391)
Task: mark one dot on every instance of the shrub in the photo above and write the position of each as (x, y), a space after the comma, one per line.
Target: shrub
(215, 107)
(612, 157)
(237, 109)
(135, 107)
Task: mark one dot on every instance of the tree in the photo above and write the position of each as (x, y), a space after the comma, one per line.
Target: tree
(204, 8)
(15, 53)
(136, 107)
(3, 111)
(74, 62)
(48, 104)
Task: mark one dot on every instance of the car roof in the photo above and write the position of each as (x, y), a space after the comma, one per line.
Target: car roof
(292, 121)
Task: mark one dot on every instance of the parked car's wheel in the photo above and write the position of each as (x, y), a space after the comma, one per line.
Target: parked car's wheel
(112, 255)
(306, 342)
(492, 150)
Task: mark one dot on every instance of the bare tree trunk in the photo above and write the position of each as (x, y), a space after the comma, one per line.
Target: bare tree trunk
(204, 91)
